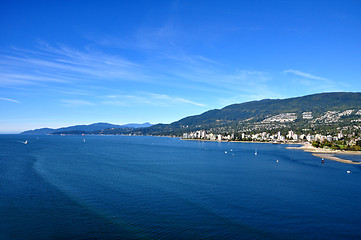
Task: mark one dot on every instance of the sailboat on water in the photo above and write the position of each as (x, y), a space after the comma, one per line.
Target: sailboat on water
(255, 152)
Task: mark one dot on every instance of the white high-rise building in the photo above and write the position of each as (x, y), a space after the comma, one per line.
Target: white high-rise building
(290, 134)
(340, 135)
(309, 138)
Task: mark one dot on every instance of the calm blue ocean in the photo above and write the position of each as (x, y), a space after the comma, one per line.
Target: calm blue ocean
(127, 187)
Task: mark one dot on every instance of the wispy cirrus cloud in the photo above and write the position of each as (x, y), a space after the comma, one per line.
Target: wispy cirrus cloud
(9, 100)
(211, 75)
(310, 83)
(75, 103)
(304, 74)
(88, 74)
(145, 98)
(226, 83)
(64, 65)
(171, 66)
(170, 99)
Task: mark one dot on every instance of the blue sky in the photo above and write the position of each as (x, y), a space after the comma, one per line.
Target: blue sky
(78, 62)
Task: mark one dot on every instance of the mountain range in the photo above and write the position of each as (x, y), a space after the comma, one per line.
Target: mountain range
(85, 128)
(326, 110)
(322, 111)
(318, 104)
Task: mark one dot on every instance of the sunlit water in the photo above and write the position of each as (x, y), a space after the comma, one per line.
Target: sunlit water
(122, 187)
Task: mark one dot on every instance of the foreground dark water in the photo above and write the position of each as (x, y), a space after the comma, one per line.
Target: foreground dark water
(120, 187)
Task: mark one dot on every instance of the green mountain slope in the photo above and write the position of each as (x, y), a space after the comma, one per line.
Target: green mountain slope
(259, 110)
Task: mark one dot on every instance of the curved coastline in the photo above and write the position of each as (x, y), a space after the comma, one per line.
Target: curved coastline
(317, 152)
(334, 158)
(328, 153)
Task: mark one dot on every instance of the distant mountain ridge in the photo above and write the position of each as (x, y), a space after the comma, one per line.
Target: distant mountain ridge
(85, 128)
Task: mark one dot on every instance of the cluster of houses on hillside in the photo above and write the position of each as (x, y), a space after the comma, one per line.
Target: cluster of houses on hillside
(328, 117)
(282, 118)
(334, 116)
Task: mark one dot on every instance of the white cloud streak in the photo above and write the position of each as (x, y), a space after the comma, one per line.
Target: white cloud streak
(64, 65)
(66, 71)
(314, 84)
(75, 103)
(10, 100)
(144, 98)
(175, 100)
(66, 68)
(305, 75)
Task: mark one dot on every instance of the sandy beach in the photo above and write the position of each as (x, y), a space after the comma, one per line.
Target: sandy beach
(310, 148)
(333, 158)
(328, 153)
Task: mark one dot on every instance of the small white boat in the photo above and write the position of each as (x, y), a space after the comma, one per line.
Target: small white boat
(26, 142)
(255, 153)
(348, 171)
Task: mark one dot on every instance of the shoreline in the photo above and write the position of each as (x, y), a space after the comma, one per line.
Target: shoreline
(327, 153)
(225, 141)
(311, 149)
(333, 158)
(317, 152)
(306, 147)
